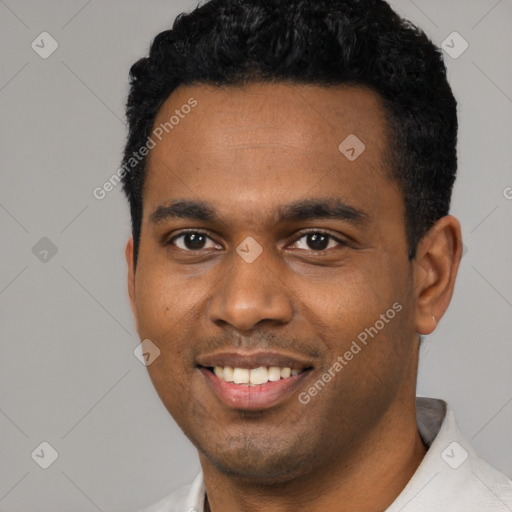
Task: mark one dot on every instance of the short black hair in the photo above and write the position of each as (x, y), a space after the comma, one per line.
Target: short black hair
(314, 42)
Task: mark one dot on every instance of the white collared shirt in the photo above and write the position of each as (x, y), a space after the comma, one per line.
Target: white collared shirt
(450, 478)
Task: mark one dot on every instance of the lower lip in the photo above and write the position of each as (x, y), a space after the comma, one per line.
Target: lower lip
(243, 396)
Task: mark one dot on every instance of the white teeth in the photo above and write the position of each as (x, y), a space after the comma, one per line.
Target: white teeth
(259, 375)
(254, 377)
(241, 376)
(274, 373)
(228, 374)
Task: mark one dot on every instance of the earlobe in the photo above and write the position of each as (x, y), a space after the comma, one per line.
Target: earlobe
(435, 269)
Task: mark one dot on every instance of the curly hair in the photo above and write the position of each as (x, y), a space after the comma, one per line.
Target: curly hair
(314, 42)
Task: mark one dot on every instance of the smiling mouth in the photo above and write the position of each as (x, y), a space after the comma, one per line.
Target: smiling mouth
(254, 376)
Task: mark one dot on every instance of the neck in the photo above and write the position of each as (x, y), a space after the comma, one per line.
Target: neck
(384, 464)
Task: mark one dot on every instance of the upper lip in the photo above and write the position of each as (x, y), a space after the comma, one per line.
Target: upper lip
(250, 360)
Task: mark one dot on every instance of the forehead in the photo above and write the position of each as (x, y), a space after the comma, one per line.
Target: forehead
(308, 117)
(260, 139)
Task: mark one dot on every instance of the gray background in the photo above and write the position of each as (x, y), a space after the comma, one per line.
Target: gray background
(68, 374)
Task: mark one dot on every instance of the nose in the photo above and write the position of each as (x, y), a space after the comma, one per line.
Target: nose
(251, 293)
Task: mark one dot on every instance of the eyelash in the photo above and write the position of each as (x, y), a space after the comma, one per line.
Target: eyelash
(303, 234)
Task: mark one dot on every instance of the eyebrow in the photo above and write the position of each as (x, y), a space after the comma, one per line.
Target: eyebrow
(302, 210)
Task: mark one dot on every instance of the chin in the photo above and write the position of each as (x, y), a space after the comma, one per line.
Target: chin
(263, 465)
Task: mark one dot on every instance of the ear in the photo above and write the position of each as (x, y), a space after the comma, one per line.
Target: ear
(128, 252)
(436, 264)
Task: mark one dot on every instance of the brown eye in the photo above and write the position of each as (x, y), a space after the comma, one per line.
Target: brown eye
(192, 241)
(318, 241)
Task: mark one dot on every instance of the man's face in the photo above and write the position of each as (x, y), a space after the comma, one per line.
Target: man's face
(249, 155)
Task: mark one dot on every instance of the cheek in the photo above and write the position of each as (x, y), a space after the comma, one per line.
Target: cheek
(164, 311)
(162, 300)
(168, 309)
(355, 302)
(153, 303)
(349, 295)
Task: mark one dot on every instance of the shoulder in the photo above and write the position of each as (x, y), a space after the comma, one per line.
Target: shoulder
(486, 488)
(452, 477)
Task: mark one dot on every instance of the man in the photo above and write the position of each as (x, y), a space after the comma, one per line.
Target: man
(289, 169)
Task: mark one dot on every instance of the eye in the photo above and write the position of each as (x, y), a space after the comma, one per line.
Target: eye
(318, 241)
(193, 241)
(198, 240)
